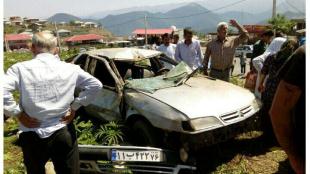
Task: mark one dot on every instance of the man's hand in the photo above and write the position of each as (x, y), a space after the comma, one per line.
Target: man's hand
(27, 121)
(234, 23)
(68, 117)
(261, 88)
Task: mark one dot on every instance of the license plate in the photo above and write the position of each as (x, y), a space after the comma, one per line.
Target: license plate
(136, 155)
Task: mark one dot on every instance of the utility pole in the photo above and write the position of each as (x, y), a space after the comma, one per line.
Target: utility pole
(145, 29)
(274, 6)
(58, 39)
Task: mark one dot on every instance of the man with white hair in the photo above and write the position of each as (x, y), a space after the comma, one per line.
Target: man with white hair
(47, 106)
(222, 50)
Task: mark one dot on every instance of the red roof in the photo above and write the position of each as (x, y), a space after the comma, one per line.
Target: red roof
(83, 37)
(152, 31)
(13, 37)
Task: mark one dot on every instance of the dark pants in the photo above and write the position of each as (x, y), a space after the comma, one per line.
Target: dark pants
(61, 147)
(220, 74)
(242, 68)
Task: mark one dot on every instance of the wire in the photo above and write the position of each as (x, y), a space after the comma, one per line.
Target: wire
(196, 14)
(177, 17)
(132, 20)
(294, 7)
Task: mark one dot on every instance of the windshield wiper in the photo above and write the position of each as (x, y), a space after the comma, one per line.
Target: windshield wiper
(188, 76)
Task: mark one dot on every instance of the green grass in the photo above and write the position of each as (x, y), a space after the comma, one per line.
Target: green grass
(13, 156)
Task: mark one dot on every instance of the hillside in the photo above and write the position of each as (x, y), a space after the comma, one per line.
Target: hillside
(63, 17)
(190, 15)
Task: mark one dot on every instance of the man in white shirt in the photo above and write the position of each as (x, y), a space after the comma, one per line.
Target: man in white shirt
(168, 48)
(189, 51)
(47, 106)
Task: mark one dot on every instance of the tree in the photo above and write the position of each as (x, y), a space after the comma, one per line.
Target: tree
(281, 23)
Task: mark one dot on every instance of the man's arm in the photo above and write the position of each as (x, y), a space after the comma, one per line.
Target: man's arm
(11, 108)
(90, 87)
(243, 33)
(206, 60)
(11, 83)
(284, 101)
(258, 62)
(177, 54)
(199, 52)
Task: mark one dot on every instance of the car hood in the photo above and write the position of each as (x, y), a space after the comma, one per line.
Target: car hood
(200, 97)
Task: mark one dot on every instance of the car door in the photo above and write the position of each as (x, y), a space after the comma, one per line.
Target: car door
(106, 104)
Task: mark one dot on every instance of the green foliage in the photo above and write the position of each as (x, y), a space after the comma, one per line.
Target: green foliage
(281, 23)
(11, 58)
(107, 134)
(110, 134)
(237, 81)
(85, 132)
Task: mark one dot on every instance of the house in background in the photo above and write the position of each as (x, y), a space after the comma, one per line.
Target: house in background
(90, 25)
(16, 20)
(84, 39)
(17, 41)
(63, 32)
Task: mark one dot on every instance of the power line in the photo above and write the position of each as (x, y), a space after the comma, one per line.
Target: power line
(294, 7)
(177, 17)
(132, 20)
(196, 14)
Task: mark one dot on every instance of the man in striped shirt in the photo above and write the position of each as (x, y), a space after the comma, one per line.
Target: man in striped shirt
(222, 50)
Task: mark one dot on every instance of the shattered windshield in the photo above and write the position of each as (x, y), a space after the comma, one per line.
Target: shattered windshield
(171, 79)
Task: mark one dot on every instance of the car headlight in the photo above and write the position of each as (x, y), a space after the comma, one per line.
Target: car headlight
(256, 104)
(205, 123)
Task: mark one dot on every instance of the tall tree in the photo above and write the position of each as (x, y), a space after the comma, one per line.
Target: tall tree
(281, 23)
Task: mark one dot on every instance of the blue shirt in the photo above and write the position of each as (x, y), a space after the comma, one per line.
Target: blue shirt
(190, 54)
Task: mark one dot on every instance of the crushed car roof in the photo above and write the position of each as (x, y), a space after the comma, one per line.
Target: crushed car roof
(125, 54)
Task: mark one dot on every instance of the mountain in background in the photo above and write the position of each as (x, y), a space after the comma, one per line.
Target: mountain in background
(63, 17)
(181, 17)
(202, 22)
(152, 9)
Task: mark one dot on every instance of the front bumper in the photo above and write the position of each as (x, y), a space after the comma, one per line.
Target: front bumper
(211, 137)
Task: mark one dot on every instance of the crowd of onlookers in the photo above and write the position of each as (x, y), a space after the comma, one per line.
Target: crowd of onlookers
(278, 65)
(277, 62)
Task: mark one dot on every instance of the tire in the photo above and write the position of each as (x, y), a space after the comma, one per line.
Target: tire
(144, 134)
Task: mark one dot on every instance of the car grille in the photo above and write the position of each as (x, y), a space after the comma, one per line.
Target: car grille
(231, 117)
(108, 168)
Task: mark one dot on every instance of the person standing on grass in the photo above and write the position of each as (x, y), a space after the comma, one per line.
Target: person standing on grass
(243, 62)
(258, 61)
(47, 106)
(271, 67)
(222, 50)
(288, 116)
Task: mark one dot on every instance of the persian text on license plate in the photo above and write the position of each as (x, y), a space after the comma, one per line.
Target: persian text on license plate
(136, 155)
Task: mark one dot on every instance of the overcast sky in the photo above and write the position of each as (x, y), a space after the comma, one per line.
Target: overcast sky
(46, 8)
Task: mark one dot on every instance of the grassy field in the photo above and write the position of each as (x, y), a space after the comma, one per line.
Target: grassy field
(247, 154)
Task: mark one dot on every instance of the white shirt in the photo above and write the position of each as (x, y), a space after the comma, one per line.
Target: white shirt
(272, 49)
(46, 86)
(190, 54)
(168, 50)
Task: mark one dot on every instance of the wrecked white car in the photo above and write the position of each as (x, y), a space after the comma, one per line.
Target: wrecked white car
(176, 108)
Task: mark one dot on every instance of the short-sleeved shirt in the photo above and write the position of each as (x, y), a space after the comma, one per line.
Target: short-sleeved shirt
(222, 53)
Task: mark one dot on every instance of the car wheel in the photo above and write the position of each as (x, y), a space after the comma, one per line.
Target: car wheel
(144, 134)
